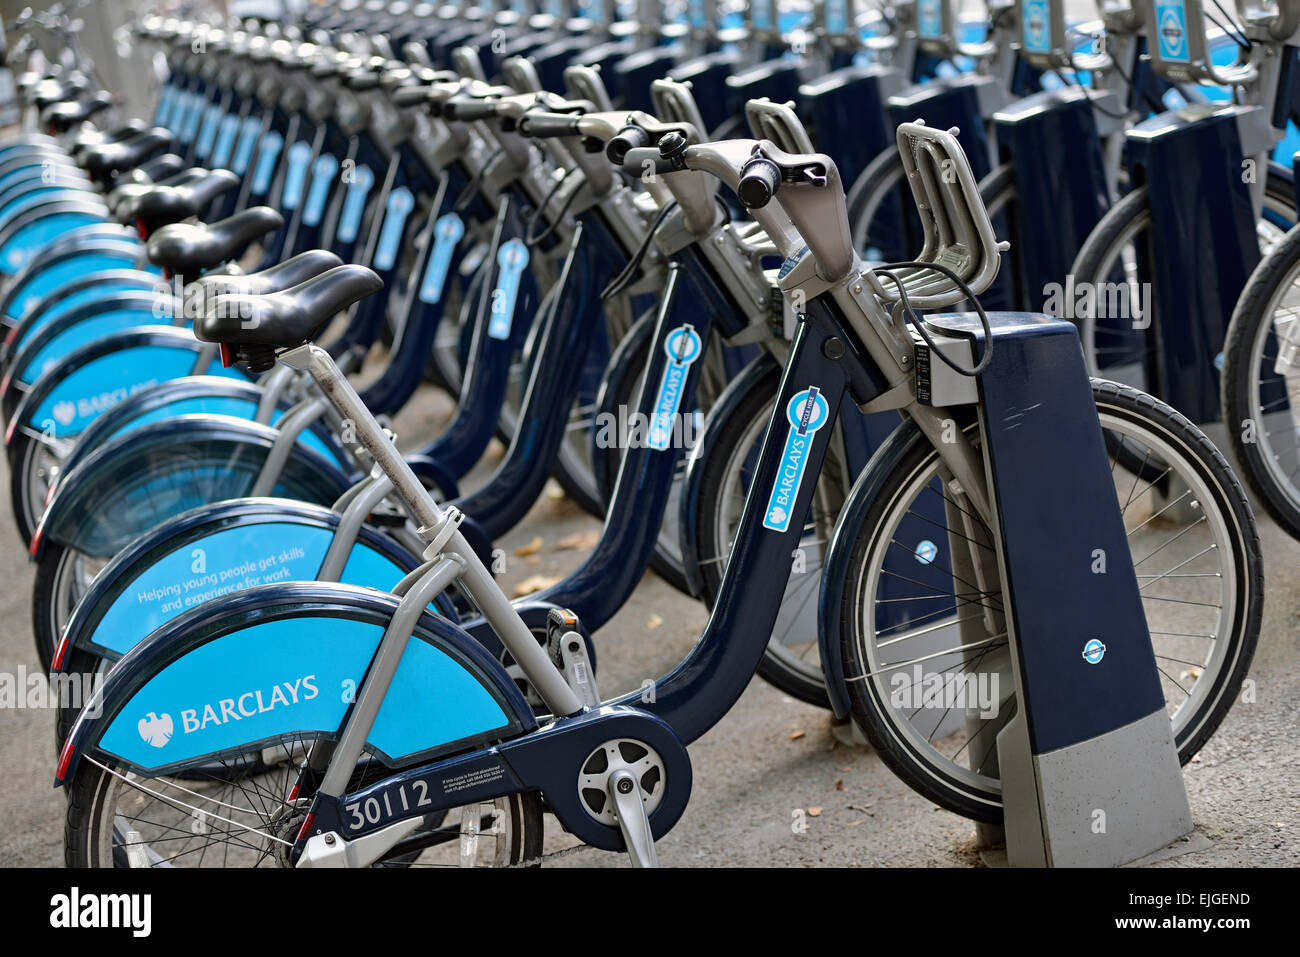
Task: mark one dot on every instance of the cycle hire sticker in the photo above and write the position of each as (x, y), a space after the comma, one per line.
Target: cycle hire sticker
(512, 257)
(354, 204)
(296, 175)
(837, 16)
(267, 155)
(447, 232)
(248, 131)
(1171, 30)
(208, 131)
(1037, 36)
(807, 412)
(399, 206)
(929, 18)
(322, 178)
(683, 347)
(225, 141)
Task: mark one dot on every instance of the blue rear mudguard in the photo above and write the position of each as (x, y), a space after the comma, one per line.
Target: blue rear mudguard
(176, 565)
(14, 170)
(236, 398)
(311, 642)
(40, 342)
(36, 197)
(97, 507)
(73, 295)
(43, 187)
(25, 236)
(107, 479)
(193, 395)
(95, 250)
(99, 375)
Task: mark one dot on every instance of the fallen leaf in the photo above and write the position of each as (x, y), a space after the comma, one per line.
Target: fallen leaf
(534, 583)
(654, 621)
(578, 541)
(530, 548)
(796, 735)
(814, 812)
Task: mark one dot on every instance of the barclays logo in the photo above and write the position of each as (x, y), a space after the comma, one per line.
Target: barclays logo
(156, 730)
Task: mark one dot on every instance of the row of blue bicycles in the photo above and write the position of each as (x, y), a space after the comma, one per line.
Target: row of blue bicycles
(290, 641)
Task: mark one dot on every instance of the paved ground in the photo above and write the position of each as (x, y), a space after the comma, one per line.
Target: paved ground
(772, 759)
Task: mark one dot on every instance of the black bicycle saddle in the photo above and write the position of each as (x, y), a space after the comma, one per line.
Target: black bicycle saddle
(191, 248)
(252, 325)
(277, 278)
(179, 197)
(63, 116)
(104, 160)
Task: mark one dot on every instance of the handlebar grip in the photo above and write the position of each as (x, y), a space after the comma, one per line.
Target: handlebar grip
(468, 110)
(629, 138)
(545, 125)
(758, 183)
(636, 162)
(410, 95)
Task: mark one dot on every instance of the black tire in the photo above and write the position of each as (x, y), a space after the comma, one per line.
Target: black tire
(1120, 404)
(54, 595)
(1095, 263)
(85, 825)
(881, 190)
(753, 410)
(1246, 367)
(25, 455)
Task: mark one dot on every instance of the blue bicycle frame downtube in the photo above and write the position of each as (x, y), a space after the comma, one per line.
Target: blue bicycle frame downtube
(544, 415)
(704, 686)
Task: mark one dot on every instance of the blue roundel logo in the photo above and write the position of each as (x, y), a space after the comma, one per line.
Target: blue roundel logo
(682, 345)
(1093, 651)
(1172, 34)
(926, 551)
(807, 411)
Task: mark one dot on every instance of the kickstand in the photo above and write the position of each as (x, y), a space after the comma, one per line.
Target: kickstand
(632, 819)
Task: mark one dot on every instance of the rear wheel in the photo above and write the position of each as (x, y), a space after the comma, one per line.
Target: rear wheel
(34, 466)
(63, 575)
(238, 816)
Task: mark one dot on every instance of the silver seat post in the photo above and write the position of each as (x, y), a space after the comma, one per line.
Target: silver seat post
(439, 527)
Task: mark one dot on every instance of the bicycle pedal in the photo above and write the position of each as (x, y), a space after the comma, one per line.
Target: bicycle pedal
(633, 821)
(568, 651)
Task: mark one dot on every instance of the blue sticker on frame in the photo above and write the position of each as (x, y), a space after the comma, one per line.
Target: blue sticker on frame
(360, 182)
(396, 210)
(512, 258)
(447, 232)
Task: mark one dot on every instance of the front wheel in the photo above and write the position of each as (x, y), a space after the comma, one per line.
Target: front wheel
(1260, 388)
(1111, 263)
(1196, 553)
